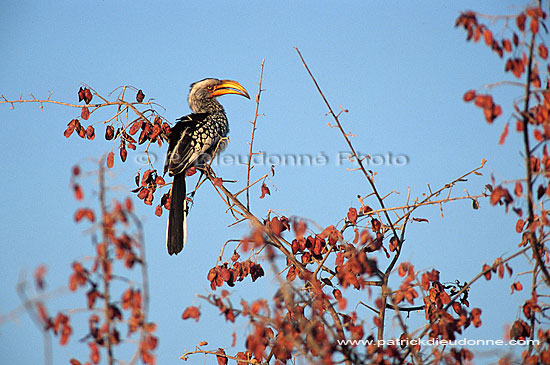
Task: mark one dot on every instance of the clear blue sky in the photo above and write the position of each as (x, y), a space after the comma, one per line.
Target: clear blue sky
(400, 68)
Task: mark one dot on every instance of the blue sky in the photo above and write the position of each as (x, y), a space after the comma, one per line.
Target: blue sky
(400, 68)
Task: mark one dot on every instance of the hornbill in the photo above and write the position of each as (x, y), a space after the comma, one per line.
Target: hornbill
(192, 142)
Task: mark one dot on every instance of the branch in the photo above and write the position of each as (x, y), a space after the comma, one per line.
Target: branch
(106, 261)
(28, 304)
(530, 204)
(250, 154)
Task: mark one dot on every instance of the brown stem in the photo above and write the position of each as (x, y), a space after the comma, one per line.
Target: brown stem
(106, 262)
(533, 241)
(28, 305)
(250, 154)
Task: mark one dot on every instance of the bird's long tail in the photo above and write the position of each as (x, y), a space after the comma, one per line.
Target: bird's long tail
(176, 231)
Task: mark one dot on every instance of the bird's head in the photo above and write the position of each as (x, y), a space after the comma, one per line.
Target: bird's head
(203, 93)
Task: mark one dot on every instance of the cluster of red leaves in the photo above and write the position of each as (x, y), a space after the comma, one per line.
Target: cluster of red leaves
(149, 131)
(442, 323)
(237, 272)
(255, 240)
(99, 333)
(475, 31)
(310, 248)
(74, 125)
(514, 64)
(497, 267)
(79, 277)
(539, 117)
(521, 330)
(132, 300)
(485, 101)
(406, 290)
(59, 325)
(152, 132)
(289, 328)
(500, 195)
(146, 187)
(352, 266)
(85, 94)
(114, 246)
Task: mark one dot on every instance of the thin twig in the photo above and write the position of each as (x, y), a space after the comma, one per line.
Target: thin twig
(250, 154)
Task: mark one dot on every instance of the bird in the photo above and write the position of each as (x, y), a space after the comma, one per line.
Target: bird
(192, 141)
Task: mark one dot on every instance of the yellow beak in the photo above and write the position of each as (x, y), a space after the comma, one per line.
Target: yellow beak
(230, 87)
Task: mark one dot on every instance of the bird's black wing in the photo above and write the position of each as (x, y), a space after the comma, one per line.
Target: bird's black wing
(180, 148)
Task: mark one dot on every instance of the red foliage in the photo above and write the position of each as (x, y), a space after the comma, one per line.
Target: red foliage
(191, 312)
(265, 190)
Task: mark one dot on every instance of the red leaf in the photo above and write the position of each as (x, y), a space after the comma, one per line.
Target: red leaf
(143, 193)
(376, 225)
(352, 215)
(128, 204)
(534, 26)
(70, 128)
(109, 132)
(94, 353)
(85, 113)
(517, 286)
(488, 36)
(393, 243)
(87, 96)
(136, 126)
(80, 130)
(78, 194)
(520, 21)
(191, 312)
(265, 190)
(484, 101)
(123, 153)
(146, 176)
(90, 132)
(507, 45)
(222, 360)
(39, 274)
(402, 269)
(160, 181)
(503, 135)
(469, 95)
(150, 196)
(140, 95)
(487, 271)
(191, 171)
(543, 51)
(68, 131)
(158, 210)
(84, 213)
(110, 160)
(218, 181)
(519, 225)
(518, 189)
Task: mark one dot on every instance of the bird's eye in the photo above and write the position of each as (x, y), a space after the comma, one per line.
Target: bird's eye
(210, 87)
